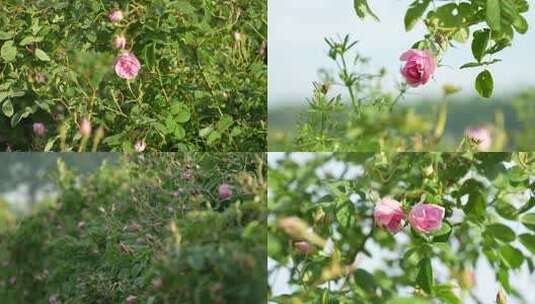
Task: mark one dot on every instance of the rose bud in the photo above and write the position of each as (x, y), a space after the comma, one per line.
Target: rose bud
(39, 129)
(304, 247)
(500, 297)
(119, 42)
(426, 218)
(224, 192)
(480, 136)
(419, 66)
(388, 214)
(127, 66)
(40, 77)
(116, 16)
(85, 128)
(468, 279)
(140, 146)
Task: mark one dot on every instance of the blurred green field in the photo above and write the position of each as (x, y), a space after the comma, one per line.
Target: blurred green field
(518, 113)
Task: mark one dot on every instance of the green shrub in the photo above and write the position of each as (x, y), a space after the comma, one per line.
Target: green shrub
(202, 83)
(145, 229)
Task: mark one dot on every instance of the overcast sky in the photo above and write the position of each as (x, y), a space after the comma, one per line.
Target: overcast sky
(297, 50)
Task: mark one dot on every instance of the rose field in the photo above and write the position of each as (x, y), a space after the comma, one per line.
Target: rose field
(151, 75)
(108, 228)
(419, 228)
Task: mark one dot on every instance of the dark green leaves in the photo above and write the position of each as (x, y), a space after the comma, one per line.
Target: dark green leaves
(511, 256)
(363, 9)
(415, 12)
(480, 43)
(493, 15)
(424, 279)
(501, 232)
(485, 84)
(7, 108)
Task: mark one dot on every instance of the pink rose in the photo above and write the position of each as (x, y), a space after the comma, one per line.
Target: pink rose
(304, 247)
(419, 66)
(127, 66)
(119, 41)
(426, 217)
(85, 128)
(481, 136)
(224, 192)
(39, 129)
(140, 146)
(116, 16)
(388, 214)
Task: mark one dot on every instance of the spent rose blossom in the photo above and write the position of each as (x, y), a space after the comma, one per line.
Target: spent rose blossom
(224, 192)
(140, 146)
(304, 247)
(127, 66)
(119, 42)
(481, 136)
(39, 129)
(85, 128)
(426, 218)
(116, 16)
(419, 66)
(388, 214)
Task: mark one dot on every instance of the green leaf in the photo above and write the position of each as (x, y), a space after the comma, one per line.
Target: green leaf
(181, 112)
(501, 232)
(412, 300)
(424, 279)
(5, 35)
(528, 240)
(485, 84)
(224, 123)
(41, 55)
(179, 132)
(512, 256)
(415, 12)
(8, 52)
(493, 15)
(442, 234)
(480, 43)
(528, 220)
(213, 137)
(205, 131)
(363, 9)
(521, 25)
(366, 281)
(7, 108)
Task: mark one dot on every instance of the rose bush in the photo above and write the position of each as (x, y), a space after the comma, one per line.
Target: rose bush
(138, 232)
(176, 75)
(400, 228)
(492, 23)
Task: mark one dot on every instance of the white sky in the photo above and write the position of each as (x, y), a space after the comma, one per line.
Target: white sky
(297, 50)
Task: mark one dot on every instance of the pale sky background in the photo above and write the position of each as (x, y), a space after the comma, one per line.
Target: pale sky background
(485, 288)
(297, 50)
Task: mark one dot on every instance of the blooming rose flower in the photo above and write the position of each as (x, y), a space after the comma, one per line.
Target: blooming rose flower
(388, 214)
(224, 192)
(127, 66)
(304, 247)
(481, 136)
(419, 66)
(140, 146)
(116, 16)
(426, 217)
(85, 127)
(119, 41)
(39, 129)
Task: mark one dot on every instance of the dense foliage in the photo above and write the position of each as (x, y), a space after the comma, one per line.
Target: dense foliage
(152, 229)
(322, 227)
(491, 23)
(201, 86)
